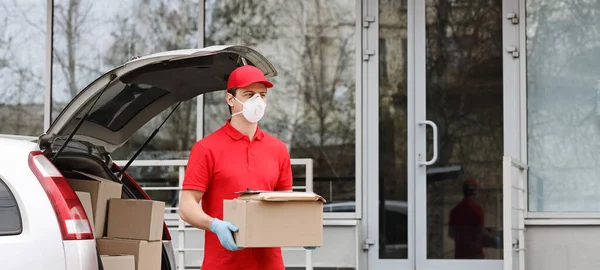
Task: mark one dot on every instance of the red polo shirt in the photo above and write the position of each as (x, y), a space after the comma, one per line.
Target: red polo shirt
(467, 220)
(225, 162)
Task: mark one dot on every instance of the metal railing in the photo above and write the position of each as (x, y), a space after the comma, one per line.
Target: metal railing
(182, 227)
(515, 209)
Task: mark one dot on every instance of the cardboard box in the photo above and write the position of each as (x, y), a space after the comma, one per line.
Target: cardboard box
(276, 219)
(135, 219)
(118, 262)
(101, 190)
(86, 200)
(147, 255)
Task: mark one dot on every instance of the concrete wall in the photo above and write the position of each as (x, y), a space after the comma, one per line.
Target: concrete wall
(562, 247)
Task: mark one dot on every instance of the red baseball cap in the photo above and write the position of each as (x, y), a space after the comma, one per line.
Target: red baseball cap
(247, 75)
(472, 183)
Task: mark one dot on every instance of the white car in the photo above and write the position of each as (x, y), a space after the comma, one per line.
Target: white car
(41, 225)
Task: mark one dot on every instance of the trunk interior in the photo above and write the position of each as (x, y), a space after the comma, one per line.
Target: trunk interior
(69, 162)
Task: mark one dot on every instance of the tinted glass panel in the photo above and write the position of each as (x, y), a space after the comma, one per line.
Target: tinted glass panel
(393, 97)
(125, 105)
(465, 100)
(10, 217)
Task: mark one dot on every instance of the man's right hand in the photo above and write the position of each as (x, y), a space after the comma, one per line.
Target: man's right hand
(224, 230)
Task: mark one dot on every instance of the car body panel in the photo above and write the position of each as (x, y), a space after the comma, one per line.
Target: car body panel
(41, 236)
(40, 244)
(81, 255)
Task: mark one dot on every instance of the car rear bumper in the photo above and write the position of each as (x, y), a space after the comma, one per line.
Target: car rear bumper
(81, 255)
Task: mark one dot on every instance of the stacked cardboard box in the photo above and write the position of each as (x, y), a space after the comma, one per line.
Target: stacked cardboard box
(98, 191)
(118, 262)
(135, 227)
(128, 232)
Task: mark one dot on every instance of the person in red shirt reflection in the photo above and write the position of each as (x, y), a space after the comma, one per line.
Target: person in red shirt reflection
(236, 157)
(466, 224)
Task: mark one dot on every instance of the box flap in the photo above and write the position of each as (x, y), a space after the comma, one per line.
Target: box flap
(249, 191)
(86, 201)
(279, 196)
(94, 177)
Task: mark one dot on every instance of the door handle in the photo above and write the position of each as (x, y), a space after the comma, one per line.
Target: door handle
(435, 143)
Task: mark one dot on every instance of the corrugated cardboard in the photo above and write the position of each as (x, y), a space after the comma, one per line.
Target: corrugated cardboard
(101, 190)
(135, 219)
(86, 200)
(276, 219)
(118, 262)
(147, 255)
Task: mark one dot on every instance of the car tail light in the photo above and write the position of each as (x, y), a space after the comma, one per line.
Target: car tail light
(72, 219)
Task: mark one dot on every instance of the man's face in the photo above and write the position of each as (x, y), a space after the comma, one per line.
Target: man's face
(243, 94)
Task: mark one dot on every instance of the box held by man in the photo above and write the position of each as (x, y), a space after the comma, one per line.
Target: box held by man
(276, 219)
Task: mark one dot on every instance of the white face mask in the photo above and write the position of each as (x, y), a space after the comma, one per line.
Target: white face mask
(253, 109)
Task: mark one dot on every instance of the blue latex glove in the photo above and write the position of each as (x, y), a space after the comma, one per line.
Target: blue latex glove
(224, 230)
(498, 242)
(310, 248)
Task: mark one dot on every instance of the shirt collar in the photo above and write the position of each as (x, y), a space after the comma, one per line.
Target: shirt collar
(236, 134)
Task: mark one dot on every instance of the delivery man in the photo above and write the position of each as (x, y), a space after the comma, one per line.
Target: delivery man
(467, 225)
(234, 158)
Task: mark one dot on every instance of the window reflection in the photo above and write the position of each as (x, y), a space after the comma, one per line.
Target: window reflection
(393, 184)
(90, 38)
(465, 100)
(22, 54)
(312, 106)
(563, 98)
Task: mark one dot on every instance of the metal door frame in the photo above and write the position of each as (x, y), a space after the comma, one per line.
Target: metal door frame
(421, 146)
(417, 128)
(370, 67)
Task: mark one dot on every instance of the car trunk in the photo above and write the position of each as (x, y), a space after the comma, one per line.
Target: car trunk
(69, 163)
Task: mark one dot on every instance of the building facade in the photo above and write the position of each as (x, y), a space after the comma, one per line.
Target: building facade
(387, 107)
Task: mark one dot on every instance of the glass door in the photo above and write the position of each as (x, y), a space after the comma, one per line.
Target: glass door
(390, 214)
(458, 134)
(434, 166)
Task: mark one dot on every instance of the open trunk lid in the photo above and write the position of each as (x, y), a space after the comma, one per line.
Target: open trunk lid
(140, 89)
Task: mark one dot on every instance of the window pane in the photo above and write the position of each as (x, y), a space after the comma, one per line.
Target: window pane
(563, 105)
(393, 97)
(91, 38)
(127, 102)
(312, 106)
(10, 217)
(22, 54)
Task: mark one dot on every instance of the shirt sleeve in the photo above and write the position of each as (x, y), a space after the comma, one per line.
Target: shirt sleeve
(199, 169)
(284, 182)
(480, 217)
